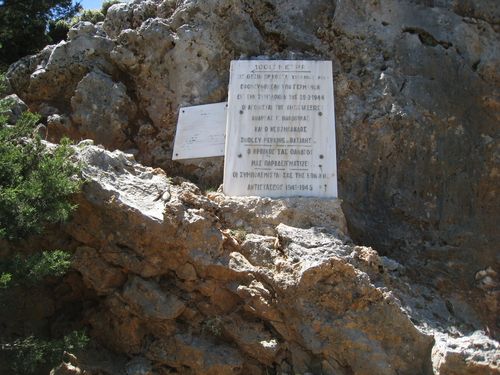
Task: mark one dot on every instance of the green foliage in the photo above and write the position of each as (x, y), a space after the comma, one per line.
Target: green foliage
(211, 189)
(5, 279)
(29, 271)
(107, 4)
(89, 15)
(36, 267)
(23, 25)
(58, 30)
(35, 183)
(3, 84)
(48, 263)
(28, 354)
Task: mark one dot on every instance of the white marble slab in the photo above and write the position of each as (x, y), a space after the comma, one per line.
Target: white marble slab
(280, 134)
(200, 131)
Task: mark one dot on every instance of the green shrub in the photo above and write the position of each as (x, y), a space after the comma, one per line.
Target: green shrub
(29, 271)
(89, 15)
(29, 354)
(5, 279)
(58, 30)
(3, 82)
(23, 25)
(35, 183)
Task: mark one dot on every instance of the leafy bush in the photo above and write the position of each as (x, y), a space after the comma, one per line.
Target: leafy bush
(89, 15)
(5, 279)
(35, 183)
(33, 269)
(58, 30)
(28, 354)
(23, 25)
(3, 84)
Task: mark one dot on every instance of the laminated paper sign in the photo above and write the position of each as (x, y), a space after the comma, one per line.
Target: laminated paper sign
(200, 131)
(280, 133)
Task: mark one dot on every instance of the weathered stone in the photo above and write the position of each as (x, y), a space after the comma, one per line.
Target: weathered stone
(260, 250)
(262, 215)
(148, 301)
(200, 355)
(139, 366)
(55, 73)
(95, 93)
(399, 115)
(66, 369)
(302, 300)
(253, 339)
(15, 108)
(122, 333)
(59, 126)
(186, 272)
(97, 274)
(474, 354)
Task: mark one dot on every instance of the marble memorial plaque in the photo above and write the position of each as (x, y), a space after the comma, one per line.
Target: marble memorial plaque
(200, 131)
(280, 133)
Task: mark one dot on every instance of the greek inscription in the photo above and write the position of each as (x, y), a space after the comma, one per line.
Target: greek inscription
(273, 146)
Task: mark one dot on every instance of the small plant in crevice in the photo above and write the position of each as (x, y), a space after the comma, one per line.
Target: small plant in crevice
(213, 326)
(211, 189)
(239, 234)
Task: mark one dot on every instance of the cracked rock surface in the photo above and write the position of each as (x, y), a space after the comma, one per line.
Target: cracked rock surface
(181, 287)
(417, 103)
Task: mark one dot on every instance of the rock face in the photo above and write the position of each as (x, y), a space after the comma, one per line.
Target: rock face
(416, 86)
(189, 284)
(212, 284)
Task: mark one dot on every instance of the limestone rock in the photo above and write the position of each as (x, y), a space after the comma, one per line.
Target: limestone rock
(260, 250)
(150, 302)
(16, 108)
(262, 215)
(399, 114)
(66, 369)
(153, 242)
(97, 274)
(59, 126)
(139, 366)
(51, 77)
(200, 355)
(305, 296)
(253, 339)
(472, 354)
(90, 104)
